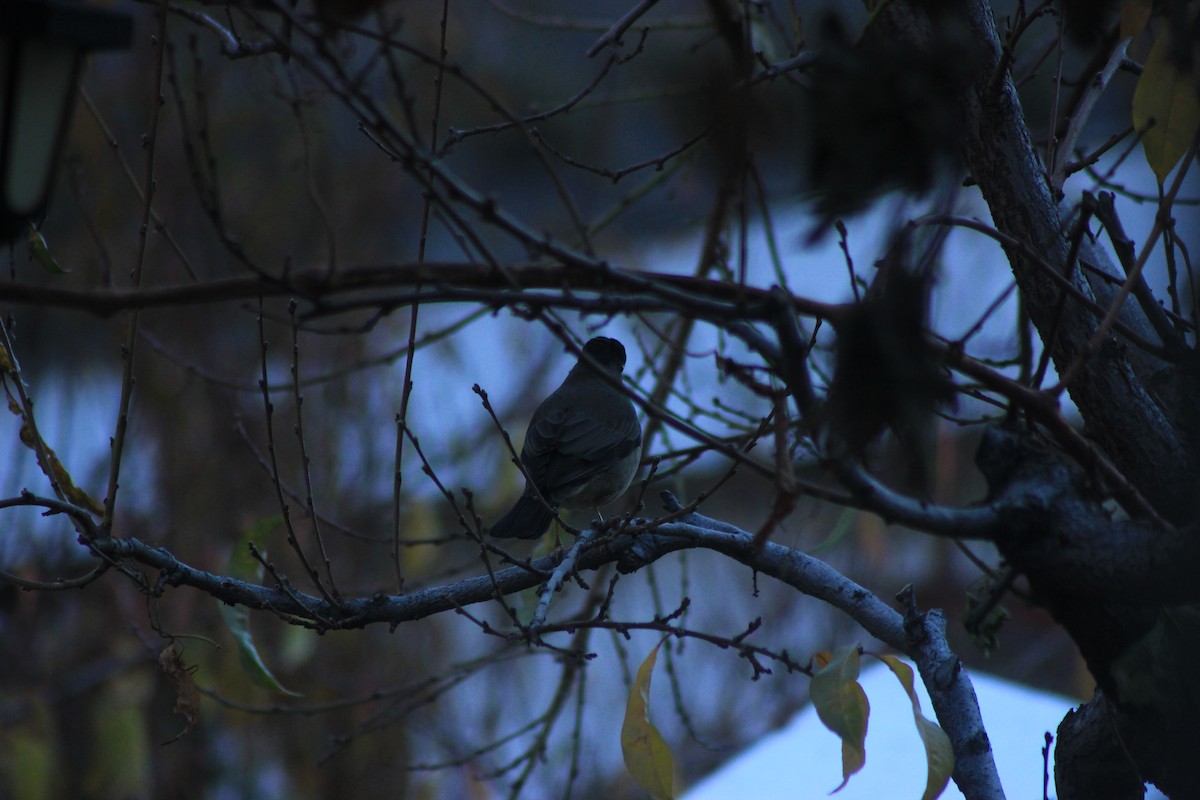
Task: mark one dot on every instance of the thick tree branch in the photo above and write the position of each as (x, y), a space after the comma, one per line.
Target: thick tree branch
(1127, 595)
(1053, 527)
(953, 699)
(433, 281)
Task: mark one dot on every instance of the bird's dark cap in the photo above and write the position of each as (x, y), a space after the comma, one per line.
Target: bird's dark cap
(606, 352)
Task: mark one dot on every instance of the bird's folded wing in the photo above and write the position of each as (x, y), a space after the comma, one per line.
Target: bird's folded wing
(568, 446)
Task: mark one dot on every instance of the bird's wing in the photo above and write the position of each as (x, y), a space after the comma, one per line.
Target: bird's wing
(567, 445)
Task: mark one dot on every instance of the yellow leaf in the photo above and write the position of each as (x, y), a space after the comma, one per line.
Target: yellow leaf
(1166, 108)
(842, 706)
(1134, 16)
(939, 754)
(54, 469)
(647, 756)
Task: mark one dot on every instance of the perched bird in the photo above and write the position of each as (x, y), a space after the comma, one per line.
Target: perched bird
(582, 447)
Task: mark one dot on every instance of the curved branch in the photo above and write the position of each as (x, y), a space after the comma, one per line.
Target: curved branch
(57, 585)
(630, 550)
(318, 286)
(802, 572)
(980, 522)
(85, 522)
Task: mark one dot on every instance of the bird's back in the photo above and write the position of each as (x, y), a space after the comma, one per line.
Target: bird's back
(585, 427)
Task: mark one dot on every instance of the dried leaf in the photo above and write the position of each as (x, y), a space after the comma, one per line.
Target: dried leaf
(187, 696)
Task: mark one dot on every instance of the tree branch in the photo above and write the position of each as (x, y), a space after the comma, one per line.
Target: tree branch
(953, 699)
(443, 281)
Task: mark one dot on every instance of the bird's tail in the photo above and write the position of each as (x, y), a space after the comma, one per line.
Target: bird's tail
(528, 519)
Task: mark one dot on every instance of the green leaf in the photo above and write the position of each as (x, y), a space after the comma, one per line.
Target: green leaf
(1165, 108)
(939, 754)
(243, 566)
(41, 253)
(845, 522)
(842, 706)
(242, 563)
(647, 756)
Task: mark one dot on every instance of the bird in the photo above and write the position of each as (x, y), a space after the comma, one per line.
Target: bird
(583, 445)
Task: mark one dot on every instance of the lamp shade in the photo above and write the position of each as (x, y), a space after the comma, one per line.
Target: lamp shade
(41, 47)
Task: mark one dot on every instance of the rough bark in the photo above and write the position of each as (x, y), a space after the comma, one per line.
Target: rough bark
(1090, 763)
(1126, 593)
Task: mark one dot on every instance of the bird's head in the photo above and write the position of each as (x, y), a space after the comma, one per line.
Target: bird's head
(608, 353)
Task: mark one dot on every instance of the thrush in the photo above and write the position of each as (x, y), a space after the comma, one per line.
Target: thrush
(583, 445)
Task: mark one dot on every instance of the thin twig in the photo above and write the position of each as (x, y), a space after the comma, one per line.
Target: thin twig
(1118, 302)
(619, 27)
(305, 460)
(127, 351)
(276, 478)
